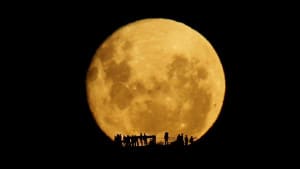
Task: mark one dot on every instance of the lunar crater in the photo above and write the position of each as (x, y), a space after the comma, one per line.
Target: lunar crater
(118, 72)
(92, 74)
(120, 95)
(105, 53)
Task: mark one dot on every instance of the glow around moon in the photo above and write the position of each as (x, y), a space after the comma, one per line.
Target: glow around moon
(153, 76)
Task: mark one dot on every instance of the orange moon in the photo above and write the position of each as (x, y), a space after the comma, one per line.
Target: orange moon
(155, 75)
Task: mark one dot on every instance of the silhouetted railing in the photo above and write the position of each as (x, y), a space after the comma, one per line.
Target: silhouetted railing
(147, 140)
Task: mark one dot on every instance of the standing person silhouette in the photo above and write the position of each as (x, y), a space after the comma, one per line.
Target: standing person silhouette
(145, 139)
(141, 139)
(191, 140)
(166, 137)
(178, 140)
(186, 140)
(181, 140)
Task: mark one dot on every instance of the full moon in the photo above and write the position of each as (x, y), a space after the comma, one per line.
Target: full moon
(154, 76)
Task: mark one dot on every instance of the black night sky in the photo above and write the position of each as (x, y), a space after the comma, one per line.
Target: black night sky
(66, 43)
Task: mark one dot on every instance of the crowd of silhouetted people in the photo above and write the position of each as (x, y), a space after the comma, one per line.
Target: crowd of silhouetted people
(184, 141)
(142, 140)
(134, 140)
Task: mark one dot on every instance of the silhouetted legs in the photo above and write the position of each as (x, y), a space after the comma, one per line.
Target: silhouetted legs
(166, 137)
(186, 140)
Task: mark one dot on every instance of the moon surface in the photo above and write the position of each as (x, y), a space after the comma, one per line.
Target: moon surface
(155, 75)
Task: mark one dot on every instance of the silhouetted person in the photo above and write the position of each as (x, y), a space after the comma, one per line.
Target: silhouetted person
(145, 139)
(132, 141)
(127, 141)
(191, 140)
(178, 140)
(118, 140)
(186, 140)
(124, 140)
(153, 140)
(181, 140)
(166, 137)
(137, 140)
(141, 139)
